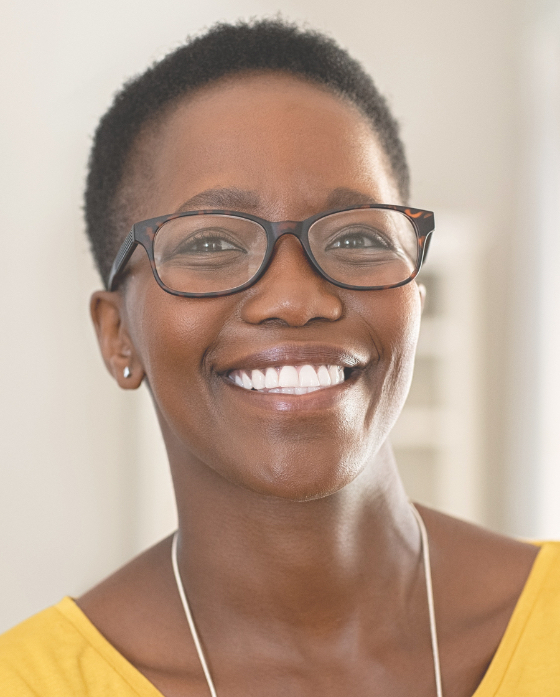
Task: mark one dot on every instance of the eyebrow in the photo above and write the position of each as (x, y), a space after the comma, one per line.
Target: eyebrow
(229, 199)
(343, 197)
(244, 200)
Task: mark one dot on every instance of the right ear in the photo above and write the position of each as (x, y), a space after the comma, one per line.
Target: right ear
(116, 346)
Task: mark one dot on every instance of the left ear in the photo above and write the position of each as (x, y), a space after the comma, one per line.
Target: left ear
(115, 343)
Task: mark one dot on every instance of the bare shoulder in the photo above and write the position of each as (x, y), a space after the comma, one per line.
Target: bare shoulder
(466, 554)
(138, 610)
(136, 586)
(478, 578)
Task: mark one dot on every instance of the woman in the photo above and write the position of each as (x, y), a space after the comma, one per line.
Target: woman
(278, 356)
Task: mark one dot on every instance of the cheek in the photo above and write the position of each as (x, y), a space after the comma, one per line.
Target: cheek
(395, 327)
(172, 336)
(402, 322)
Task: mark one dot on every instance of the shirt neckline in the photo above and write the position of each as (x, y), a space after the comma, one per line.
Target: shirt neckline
(488, 686)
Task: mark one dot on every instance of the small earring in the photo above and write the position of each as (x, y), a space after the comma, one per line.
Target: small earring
(126, 372)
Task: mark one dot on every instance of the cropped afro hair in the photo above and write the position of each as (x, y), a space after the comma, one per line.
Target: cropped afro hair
(224, 50)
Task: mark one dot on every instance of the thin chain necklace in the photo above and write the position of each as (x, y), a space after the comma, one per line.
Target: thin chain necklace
(429, 594)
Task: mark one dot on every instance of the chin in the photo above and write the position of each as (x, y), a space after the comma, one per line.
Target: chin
(299, 476)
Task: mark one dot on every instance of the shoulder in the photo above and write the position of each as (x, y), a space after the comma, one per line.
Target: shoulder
(527, 662)
(537, 614)
(469, 554)
(36, 653)
(473, 563)
(499, 600)
(59, 653)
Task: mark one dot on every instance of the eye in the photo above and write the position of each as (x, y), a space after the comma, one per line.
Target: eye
(205, 244)
(360, 238)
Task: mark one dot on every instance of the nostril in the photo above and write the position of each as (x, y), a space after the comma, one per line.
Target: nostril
(291, 292)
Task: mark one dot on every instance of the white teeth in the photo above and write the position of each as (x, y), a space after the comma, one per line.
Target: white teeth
(305, 390)
(308, 376)
(288, 376)
(247, 384)
(334, 372)
(289, 379)
(271, 378)
(257, 377)
(292, 390)
(323, 376)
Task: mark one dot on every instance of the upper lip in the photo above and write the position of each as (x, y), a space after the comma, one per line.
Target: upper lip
(296, 354)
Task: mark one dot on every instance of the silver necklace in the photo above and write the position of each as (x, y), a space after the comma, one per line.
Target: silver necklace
(429, 593)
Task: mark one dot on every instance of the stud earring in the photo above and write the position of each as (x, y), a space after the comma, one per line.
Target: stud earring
(126, 372)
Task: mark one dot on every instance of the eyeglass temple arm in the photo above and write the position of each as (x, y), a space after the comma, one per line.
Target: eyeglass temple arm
(425, 224)
(124, 254)
(426, 247)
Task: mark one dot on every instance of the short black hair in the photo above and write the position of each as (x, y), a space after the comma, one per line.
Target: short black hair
(224, 50)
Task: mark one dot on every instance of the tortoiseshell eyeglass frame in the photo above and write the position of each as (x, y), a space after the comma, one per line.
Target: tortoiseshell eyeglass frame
(144, 233)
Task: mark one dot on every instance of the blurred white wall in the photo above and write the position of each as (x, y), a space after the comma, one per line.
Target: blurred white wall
(542, 192)
(82, 486)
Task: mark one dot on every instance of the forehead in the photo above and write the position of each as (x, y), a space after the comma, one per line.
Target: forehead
(289, 142)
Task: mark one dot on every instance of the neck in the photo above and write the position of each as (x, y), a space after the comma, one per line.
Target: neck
(306, 564)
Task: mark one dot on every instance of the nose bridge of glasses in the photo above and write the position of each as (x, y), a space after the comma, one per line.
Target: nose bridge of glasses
(286, 227)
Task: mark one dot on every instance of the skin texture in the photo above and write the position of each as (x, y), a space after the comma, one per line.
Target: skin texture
(298, 550)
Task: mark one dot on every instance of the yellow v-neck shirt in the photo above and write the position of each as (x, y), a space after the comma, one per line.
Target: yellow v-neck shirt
(59, 653)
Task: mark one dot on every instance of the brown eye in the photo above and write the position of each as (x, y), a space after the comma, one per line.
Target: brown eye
(359, 239)
(204, 245)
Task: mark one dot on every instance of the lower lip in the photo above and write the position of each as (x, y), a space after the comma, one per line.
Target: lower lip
(324, 398)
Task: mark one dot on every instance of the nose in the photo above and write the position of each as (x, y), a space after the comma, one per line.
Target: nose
(291, 291)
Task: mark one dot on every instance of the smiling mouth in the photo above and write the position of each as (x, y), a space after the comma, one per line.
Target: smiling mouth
(289, 379)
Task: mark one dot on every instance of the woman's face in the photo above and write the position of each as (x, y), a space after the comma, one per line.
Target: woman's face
(281, 149)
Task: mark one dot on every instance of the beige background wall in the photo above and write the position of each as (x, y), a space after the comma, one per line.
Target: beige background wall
(82, 485)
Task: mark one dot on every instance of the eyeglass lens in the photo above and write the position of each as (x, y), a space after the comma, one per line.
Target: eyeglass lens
(214, 253)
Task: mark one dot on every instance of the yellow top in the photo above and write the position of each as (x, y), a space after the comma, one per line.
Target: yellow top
(59, 653)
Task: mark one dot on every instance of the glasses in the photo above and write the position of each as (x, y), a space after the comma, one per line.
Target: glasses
(218, 252)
